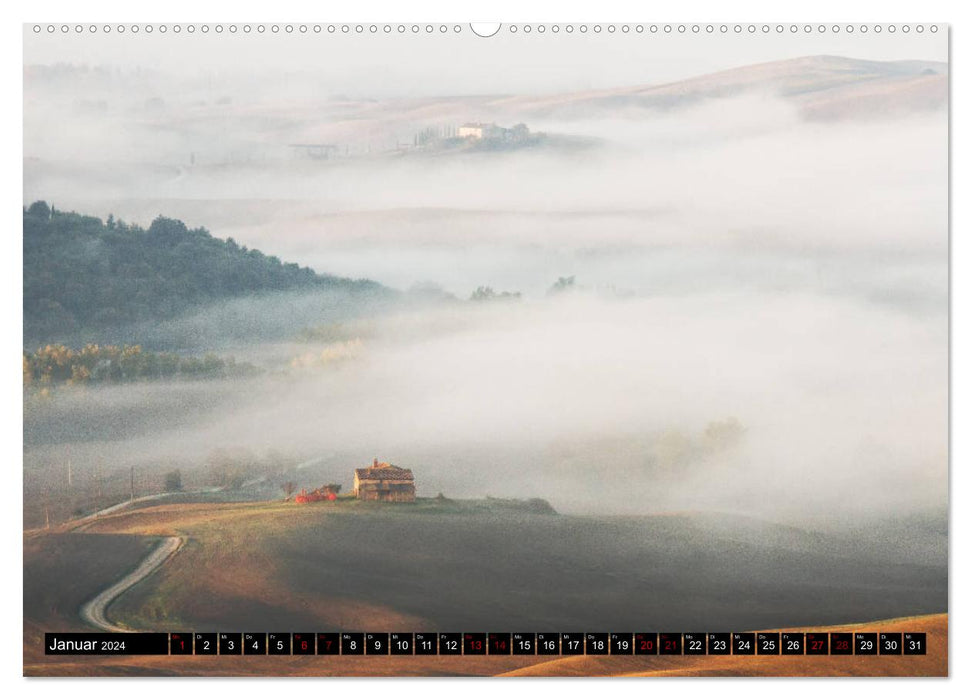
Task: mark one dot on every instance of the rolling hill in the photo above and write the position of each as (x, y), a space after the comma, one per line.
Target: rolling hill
(820, 87)
(454, 565)
(356, 565)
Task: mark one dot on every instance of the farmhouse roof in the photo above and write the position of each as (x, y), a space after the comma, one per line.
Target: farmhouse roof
(384, 471)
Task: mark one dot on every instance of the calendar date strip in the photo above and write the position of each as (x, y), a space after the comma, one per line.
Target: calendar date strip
(486, 643)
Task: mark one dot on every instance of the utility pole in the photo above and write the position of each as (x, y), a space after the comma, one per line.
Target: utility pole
(47, 508)
(70, 480)
(133, 483)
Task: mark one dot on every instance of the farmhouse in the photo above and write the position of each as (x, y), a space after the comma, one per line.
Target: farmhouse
(478, 131)
(384, 482)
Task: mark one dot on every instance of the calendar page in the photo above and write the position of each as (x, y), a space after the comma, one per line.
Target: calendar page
(423, 349)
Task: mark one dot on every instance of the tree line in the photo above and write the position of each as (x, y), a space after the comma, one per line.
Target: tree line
(92, 364)
(81, 272)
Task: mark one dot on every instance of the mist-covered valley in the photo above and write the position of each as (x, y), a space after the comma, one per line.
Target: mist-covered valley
(735, 301)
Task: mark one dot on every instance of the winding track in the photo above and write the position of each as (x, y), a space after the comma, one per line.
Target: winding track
(94, 611)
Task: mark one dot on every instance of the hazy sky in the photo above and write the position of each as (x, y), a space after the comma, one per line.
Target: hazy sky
(462, 63)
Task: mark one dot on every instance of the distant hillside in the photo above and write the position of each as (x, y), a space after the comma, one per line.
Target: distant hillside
(83, 273)
(820, 87)
(823, 87)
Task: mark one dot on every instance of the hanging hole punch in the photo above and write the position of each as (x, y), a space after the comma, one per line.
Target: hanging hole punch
(485, 29)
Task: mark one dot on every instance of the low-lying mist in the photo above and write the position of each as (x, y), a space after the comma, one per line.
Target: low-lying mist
(787, 406)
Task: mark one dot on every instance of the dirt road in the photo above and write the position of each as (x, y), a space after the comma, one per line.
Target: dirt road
(94, 611)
